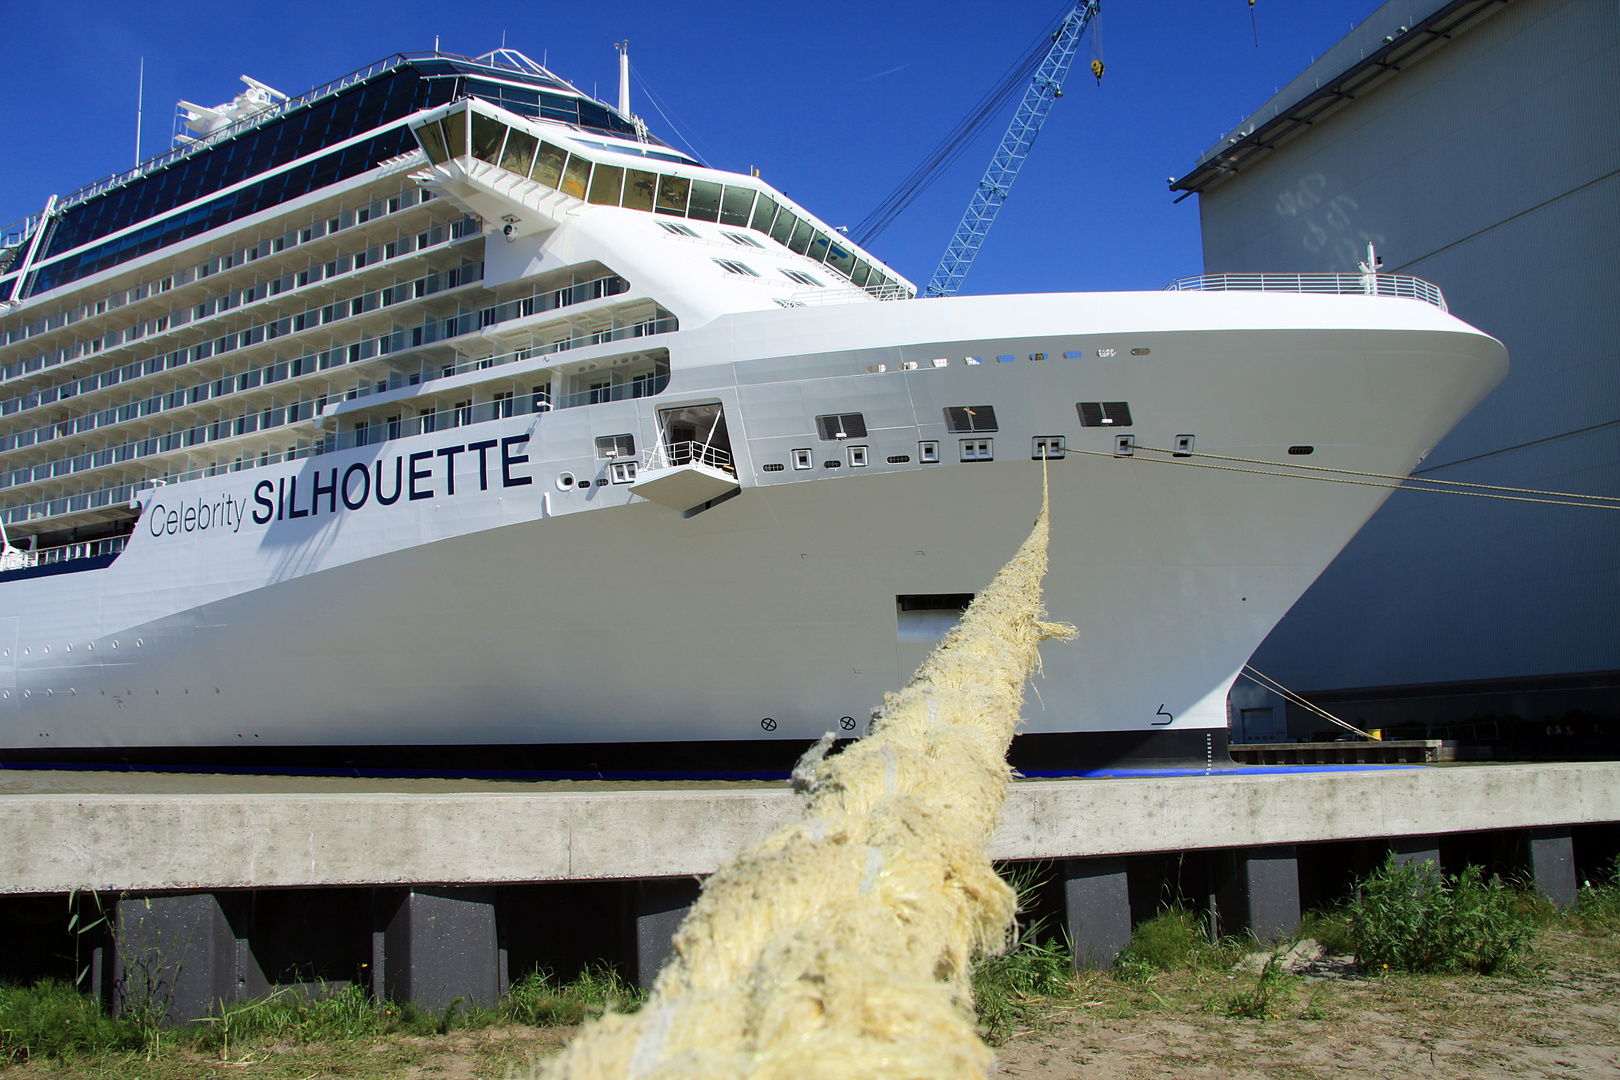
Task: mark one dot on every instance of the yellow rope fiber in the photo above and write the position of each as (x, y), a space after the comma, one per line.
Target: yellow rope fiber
(840, 947)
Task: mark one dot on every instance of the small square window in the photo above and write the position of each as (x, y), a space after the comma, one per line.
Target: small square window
(976, 450)
(1047, 448)
(623, 472)
(857, 457)
(928, 452)
(801, 459)
(616, 446)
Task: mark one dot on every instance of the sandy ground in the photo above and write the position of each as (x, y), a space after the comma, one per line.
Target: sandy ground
(1553, 1024)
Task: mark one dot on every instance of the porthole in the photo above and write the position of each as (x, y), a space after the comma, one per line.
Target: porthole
(69, 646)
(140, 643)
(565, 481)
(115, 643)
(46, 650)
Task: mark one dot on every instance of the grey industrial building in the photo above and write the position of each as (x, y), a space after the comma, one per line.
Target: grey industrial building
(1476, 144)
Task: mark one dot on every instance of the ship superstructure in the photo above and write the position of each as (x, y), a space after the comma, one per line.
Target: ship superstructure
(446, 406)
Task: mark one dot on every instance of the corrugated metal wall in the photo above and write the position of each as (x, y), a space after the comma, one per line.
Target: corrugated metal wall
(1491, 167)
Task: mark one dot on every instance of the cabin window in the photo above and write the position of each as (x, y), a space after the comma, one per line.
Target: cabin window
(740, 269)
(802, 278)
(614, 446)
(976, 450)
(742, 239)
(675, 228)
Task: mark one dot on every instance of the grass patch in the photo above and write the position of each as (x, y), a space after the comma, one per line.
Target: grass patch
(1413, 917)
(1175, 939)
(54, 1020)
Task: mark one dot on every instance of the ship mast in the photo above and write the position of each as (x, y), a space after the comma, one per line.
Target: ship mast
(624, 76)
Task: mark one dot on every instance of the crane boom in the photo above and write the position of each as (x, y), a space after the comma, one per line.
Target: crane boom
(1011, 154)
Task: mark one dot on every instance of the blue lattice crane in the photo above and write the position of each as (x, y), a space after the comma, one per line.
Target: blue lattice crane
(1044, 88)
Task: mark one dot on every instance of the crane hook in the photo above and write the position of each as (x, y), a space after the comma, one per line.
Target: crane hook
(1097, 70)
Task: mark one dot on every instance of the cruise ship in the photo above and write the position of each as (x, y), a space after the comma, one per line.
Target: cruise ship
(443, 417)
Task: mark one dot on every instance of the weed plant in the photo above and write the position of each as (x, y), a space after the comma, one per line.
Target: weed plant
(1598, 905)
(1271, 990)
(1412, 917)
(1173, 940)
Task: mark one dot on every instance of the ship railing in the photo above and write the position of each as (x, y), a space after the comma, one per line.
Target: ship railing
(1400, 285)
(669, 455)
(16, 558)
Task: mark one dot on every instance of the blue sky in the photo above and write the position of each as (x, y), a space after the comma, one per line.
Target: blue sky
(833, 102)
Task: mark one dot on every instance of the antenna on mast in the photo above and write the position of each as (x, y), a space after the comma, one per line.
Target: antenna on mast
(624, 75)
(140, 101)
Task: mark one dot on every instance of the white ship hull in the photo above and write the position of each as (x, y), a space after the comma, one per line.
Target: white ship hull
(517, 613)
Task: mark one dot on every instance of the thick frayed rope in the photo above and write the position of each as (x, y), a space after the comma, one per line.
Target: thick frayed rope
(840, 947)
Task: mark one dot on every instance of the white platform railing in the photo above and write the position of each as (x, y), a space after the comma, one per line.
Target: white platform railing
(1399, 285)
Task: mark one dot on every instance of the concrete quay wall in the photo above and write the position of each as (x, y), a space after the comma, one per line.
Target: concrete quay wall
(138, 842)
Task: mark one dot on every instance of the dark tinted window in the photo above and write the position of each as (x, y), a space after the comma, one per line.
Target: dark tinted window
(970, 418)
(848, 425)
(1104, 413)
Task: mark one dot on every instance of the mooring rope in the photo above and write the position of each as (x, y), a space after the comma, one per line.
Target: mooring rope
(841, 946)
(1387, 481)
(1288, 695)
